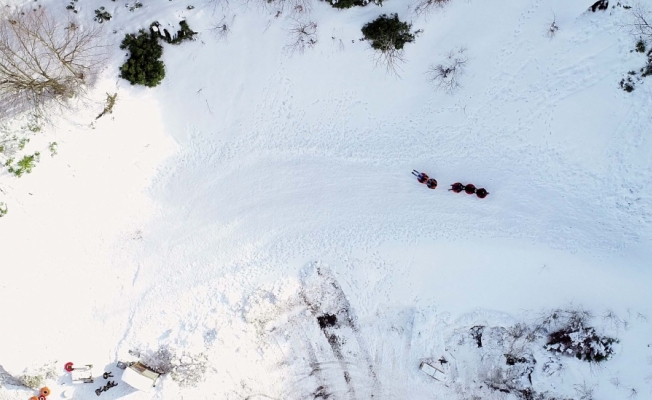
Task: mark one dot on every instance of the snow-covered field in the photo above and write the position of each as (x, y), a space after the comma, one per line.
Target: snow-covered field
(254, 222)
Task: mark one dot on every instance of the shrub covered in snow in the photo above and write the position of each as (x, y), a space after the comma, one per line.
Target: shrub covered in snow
(143, 66)
(33, 378)
(446, 75)
(186, 369)
(582, 342)
(183, 34)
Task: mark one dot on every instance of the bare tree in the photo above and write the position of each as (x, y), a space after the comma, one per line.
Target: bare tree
(552, 27)
(215, 4)
(45, 62)
(222, 29)
(282, 6)
(446, 76)
(391, 59)
(641, 22)
(584, 391)
(303, 35)
(425, 7)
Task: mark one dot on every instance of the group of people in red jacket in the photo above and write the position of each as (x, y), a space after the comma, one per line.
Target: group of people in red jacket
(456, 187)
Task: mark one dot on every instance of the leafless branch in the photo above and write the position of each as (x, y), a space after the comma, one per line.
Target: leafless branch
(584, 391)
(222, 29)
(284, 6)
(215, 4)
(553, 27)
(425, 7)
(391, 59)
(641, 24)
(446, 76)
(45, 62)
(303, 35)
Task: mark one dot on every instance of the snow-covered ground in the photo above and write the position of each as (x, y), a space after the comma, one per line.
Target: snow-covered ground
(227, 214)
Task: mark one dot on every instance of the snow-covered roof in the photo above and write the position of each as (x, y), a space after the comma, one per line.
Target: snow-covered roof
(139, 377)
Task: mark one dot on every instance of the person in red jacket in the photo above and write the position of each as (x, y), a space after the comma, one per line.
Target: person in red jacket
(481, 193)
(469, 189)
(431, 183)
(457, 187)
(421, 177)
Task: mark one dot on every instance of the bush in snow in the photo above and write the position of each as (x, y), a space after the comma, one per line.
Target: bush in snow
(303, 35)
(185, 33)
(3, 209)
(426, 6)
(186, 369)
(222, 29)
(641, 22)
(553, 27)
(628, 83)
(582, 342)
(24, 165)
(34, 378)
(388, 35)
(143, 66)
(102, 15)
(446, 76)
(352, 3)
(108, 108)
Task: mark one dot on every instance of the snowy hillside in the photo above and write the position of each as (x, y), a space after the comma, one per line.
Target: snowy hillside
(251, 228)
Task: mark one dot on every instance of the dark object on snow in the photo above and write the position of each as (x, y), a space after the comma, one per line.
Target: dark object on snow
(106, 387)
(469, 189)
(327, 320)
(599, 5)
(107, 375)
(122, 365)
(481, 193)
(581, 341)
(457, 187)
(431, 183)
(476, 333)
(421, 177)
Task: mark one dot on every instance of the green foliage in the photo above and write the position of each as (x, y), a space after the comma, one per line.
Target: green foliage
(352, 3)
(53, 148)
(143, 66)
(388, 33)
(101, 15)
(3, 209)
(627, 84)
(647, 70)
(24, 165)
(22, 143)
(185, 33)
(640, 46)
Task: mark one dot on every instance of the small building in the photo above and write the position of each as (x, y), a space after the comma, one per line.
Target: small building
(139, 376)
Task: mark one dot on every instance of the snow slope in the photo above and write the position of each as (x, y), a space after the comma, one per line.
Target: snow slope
(198, 215)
